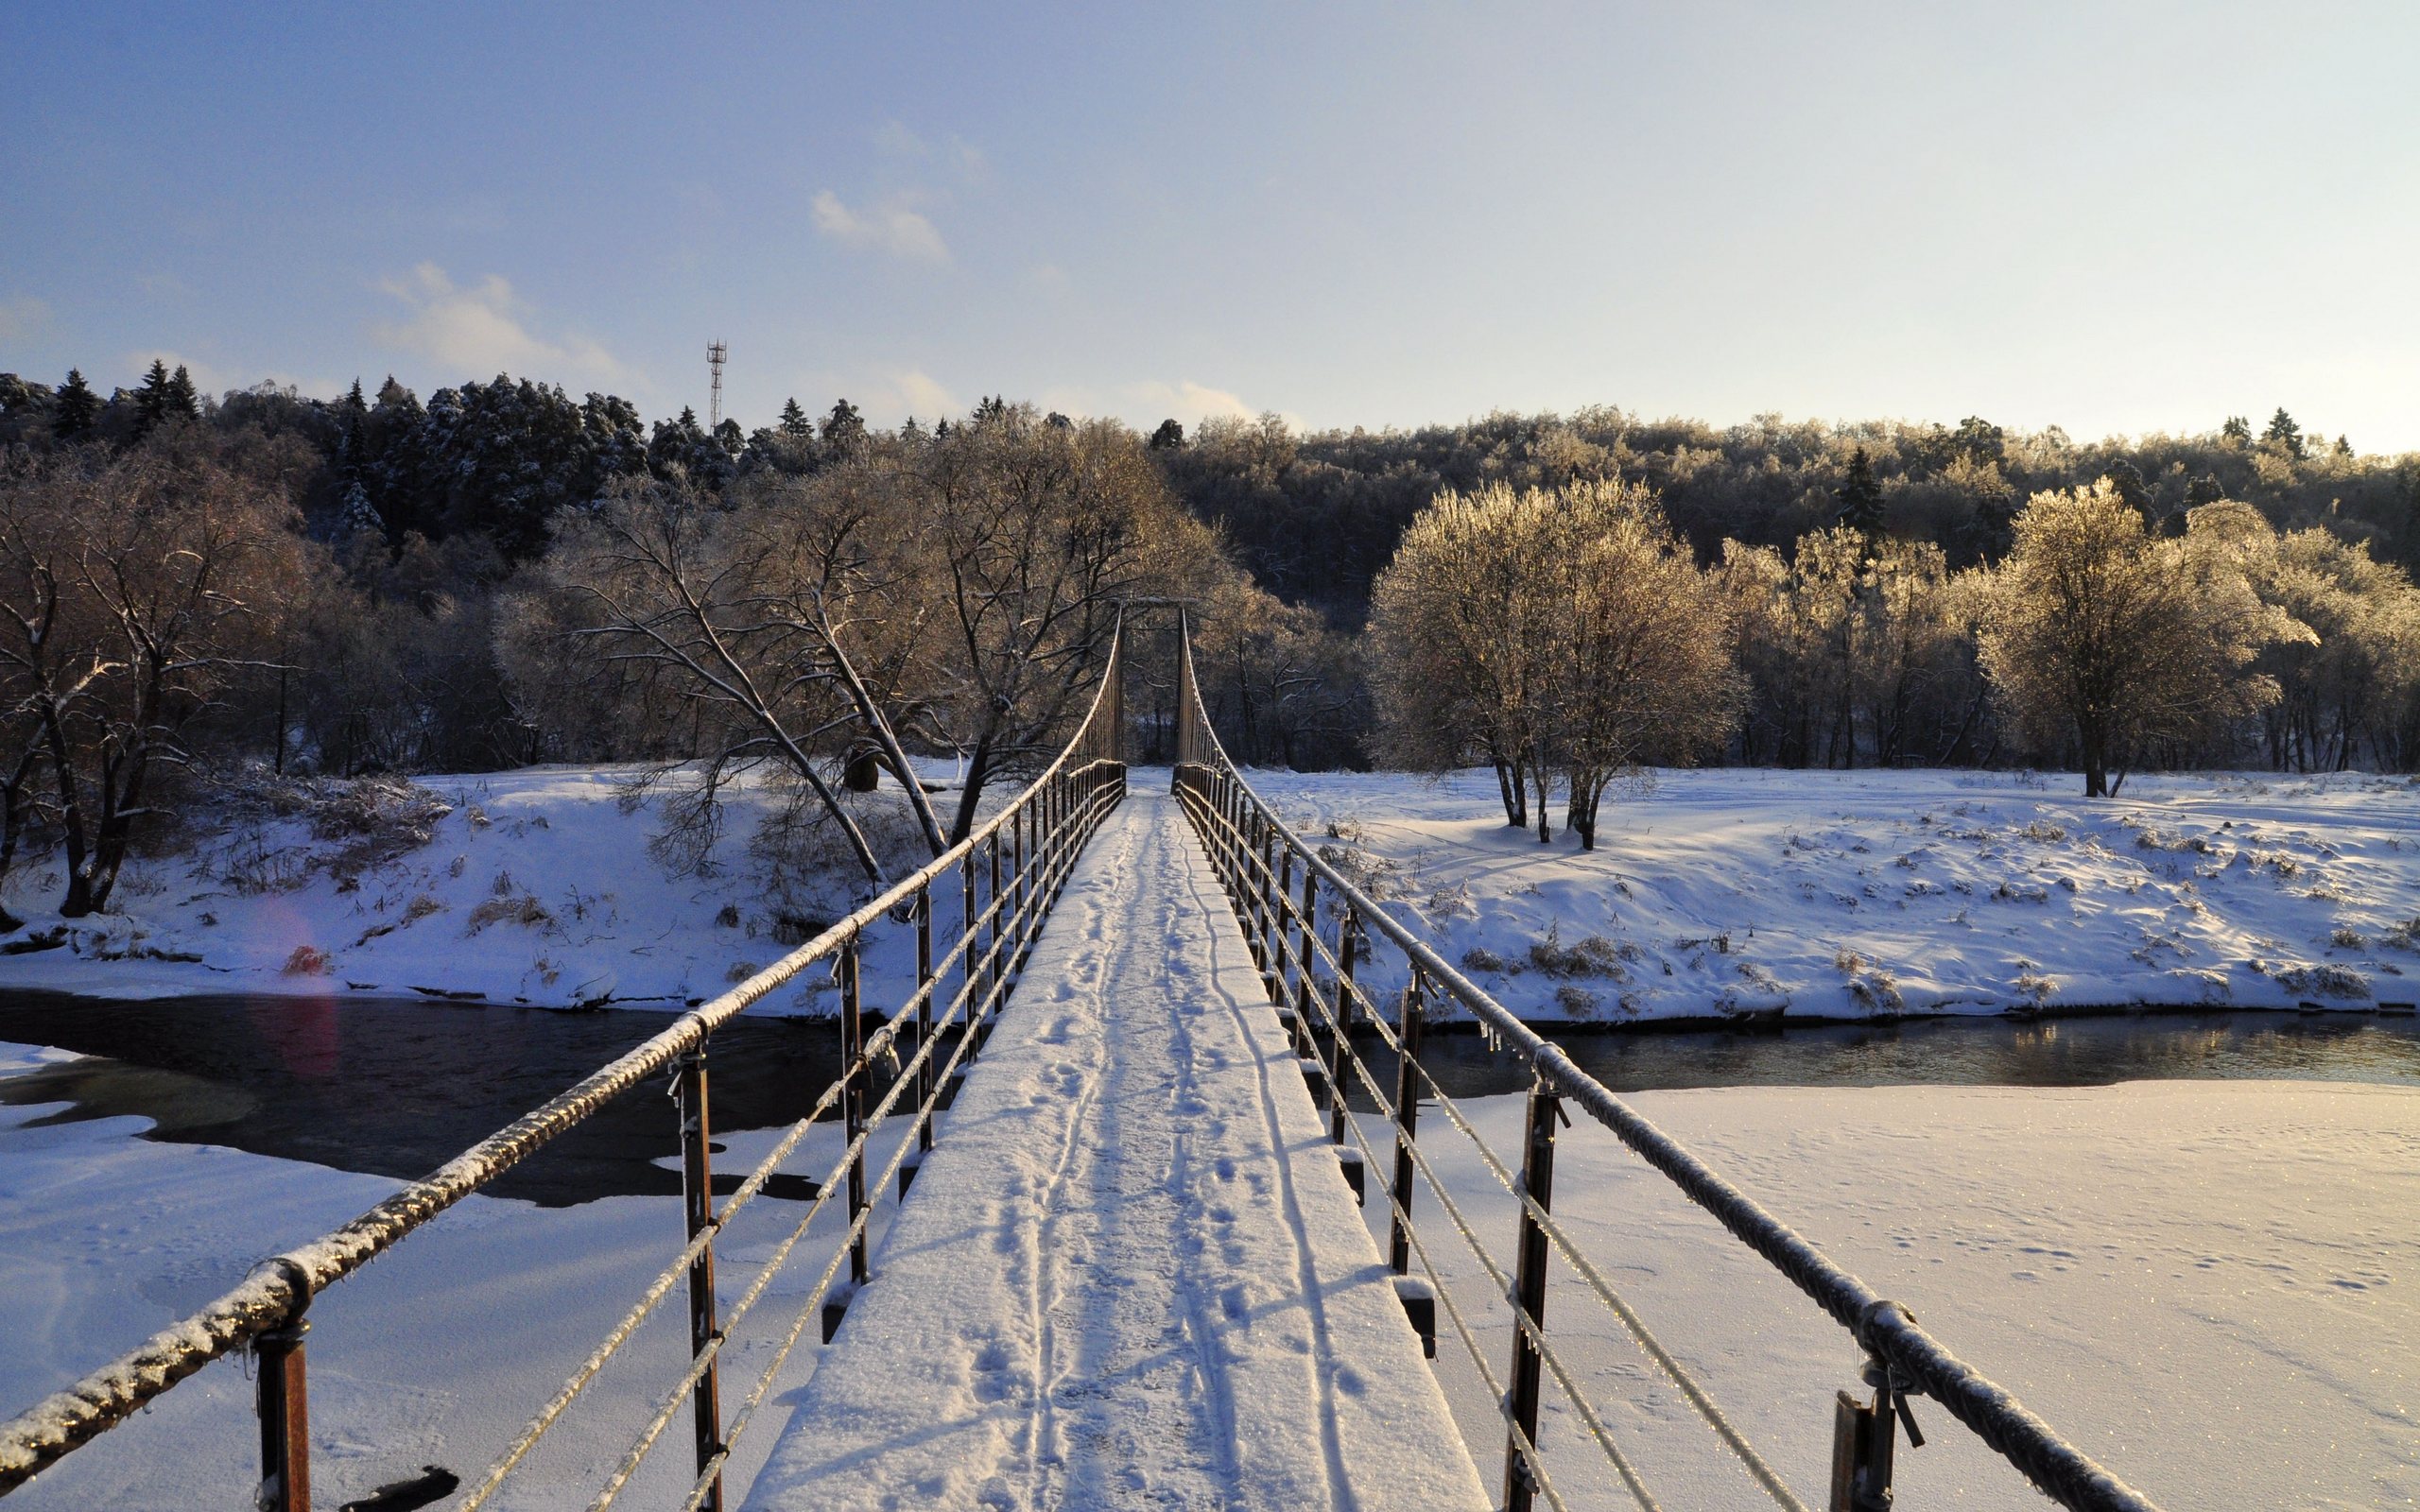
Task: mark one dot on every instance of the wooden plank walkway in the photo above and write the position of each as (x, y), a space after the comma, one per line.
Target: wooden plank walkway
(1131, 1274)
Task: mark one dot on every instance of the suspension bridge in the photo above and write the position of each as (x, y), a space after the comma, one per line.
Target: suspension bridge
(1134, 1260)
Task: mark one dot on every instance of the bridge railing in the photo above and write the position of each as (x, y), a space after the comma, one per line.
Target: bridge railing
(1278, 885)
(1006, 875)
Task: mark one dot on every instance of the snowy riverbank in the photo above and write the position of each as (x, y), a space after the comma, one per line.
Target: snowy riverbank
(1727, 893)
(533, 887)
(1717, 894)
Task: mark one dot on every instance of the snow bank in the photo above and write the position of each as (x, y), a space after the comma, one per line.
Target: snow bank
(1863, 894)
(532, 886)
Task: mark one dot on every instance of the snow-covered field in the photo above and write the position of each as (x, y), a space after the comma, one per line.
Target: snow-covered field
(1856, 894)
(2209, 1286)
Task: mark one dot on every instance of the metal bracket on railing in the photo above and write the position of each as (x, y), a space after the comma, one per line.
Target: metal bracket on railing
(282, 1396)
(1865, 1434)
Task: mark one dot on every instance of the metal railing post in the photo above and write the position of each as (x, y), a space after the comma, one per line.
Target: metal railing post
(697, 1207)
(991, 971)
(974, 937)
(1343, 1016)
(1530, 1294)
(928, 986)
(853, 1100)
(1284, 887)
(1407, 1122)
(284, 1401)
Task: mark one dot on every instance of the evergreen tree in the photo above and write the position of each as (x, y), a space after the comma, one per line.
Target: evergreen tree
(2204, 489)
(844, 429)
(794, 420)
(2343, 447)
(1860, 497)
(2128, 480)
(2237, 431)
(151, 400)
(79, 407)
(182, 400)
(2284, 433)
(1169, 438)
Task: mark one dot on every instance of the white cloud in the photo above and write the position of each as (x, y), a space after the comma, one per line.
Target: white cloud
(893, 137)
(478, 331)
(890, 227)
(19, 317)
(1193, 403)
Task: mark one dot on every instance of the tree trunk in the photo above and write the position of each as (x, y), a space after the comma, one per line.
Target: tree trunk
(1511, 786)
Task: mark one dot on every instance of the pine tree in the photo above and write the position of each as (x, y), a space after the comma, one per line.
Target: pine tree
(844, 429)
(794, 420)
(183, 402)
(1169, 438)
(1860, 497)
(2128, 480)
(151, 400)
(2237, 431)
(79, 407)
(2204, 489)
(2284, 433)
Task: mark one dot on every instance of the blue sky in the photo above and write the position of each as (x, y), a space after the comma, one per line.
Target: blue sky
(2116, 218)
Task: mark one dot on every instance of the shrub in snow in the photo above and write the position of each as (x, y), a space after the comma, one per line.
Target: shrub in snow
(1592, 957)
(524, 910)
(1479, 958)
(1578, 1002)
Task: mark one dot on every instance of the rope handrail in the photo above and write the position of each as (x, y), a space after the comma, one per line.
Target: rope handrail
(1882, 1328)
(279, 1288)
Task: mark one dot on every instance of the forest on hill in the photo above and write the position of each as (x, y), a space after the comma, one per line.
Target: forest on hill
(502, 574)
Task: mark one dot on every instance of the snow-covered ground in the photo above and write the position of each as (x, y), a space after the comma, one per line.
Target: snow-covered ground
(437, 1353)
(1853, 894)
(534, 886)
(2209, 1286)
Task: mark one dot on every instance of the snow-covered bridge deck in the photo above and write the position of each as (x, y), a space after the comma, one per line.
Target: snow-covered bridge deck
(1131, 1274)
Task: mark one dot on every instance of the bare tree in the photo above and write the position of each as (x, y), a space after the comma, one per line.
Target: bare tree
(1034, 533)
(671, 596)
(139, 587)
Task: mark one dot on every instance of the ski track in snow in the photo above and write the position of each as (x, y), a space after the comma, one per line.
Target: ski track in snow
(1131, 1274)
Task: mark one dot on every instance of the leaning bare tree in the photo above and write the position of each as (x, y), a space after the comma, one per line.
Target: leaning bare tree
(715, 631)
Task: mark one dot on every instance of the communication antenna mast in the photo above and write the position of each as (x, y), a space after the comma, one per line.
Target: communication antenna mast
(716, 353)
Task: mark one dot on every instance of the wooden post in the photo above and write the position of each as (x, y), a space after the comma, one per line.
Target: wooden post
(1407, 1124)
(1529, 1292)
(697, 1207)
(284, 1399)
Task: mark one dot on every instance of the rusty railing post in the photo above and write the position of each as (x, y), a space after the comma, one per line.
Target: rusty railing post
(853, 1033)
(1407, 1124)
(697, 1207)
(283, 1397)
(928, 985)
(1530, 1294)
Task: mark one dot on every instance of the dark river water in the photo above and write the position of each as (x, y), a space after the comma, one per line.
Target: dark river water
(398, 1088)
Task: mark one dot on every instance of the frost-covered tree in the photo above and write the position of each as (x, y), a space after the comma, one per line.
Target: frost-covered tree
(2124, 641)
(1564, 634)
